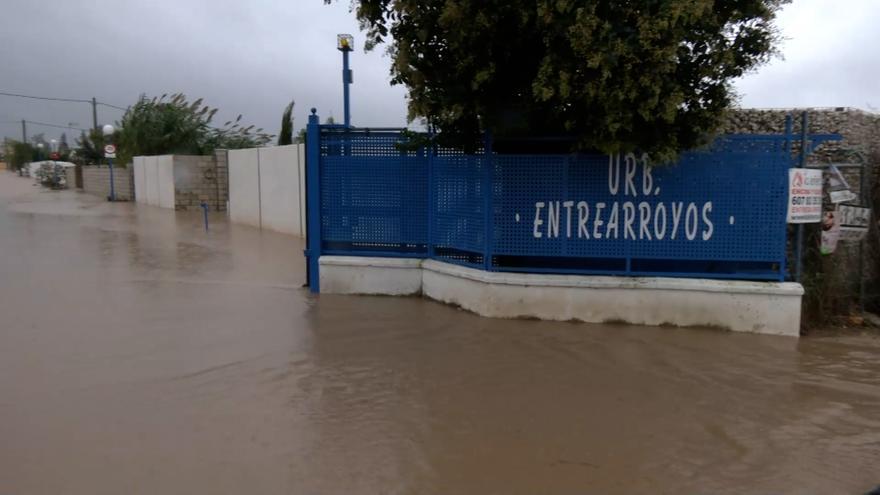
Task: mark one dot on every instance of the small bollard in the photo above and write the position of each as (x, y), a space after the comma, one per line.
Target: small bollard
(205, 209)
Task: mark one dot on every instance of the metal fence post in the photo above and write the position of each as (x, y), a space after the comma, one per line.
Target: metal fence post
(429, 150)
(789, 139)
(488, 217)
(802, 162)
(313, 201)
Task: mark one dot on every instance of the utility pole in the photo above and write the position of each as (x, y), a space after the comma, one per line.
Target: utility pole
(23, 131)
(94, 114)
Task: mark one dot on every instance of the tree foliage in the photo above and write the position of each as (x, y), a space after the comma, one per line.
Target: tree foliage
(19, 153)
(286, 134)
(171, 124)
(615, 75)
(90, 148)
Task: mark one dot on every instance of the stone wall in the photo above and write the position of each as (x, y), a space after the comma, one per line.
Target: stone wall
(200, 179)
(70, 177)
(96, 180)
(834, 283)
(860, 131)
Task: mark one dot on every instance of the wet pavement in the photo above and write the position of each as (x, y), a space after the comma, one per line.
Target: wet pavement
(140, 354)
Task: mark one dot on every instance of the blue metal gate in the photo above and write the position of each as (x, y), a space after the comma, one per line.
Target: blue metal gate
(717, 213)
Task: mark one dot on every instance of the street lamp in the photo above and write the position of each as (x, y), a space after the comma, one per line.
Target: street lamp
(110, 153)
(345, 44)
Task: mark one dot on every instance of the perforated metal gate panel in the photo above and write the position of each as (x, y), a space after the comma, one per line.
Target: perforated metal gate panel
(722, 207)
(716, 213)
(373, 196)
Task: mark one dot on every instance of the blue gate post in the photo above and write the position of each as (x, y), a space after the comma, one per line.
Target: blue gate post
(802, 162)
(313, 200)
(429, 161)
(789, 139)
(488, 214)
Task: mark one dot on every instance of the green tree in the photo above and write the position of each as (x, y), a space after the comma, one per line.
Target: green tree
(90, 148)
(171, 124)
(286, 134)
(19, 154)
(649, 75)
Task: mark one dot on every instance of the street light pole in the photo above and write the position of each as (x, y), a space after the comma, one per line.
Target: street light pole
(108, 135)
(345, 44)
(94, 114)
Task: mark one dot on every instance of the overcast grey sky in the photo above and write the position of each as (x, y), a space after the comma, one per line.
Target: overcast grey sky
(252, 57)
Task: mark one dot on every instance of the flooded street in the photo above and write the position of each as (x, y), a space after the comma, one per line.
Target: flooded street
(140, 354)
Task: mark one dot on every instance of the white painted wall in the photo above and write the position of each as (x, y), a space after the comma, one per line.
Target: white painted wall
(244, 187)
(165, 181)
(154, 180)
(139, 168)
(267, 188)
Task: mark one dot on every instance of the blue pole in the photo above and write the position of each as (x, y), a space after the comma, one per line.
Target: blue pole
(488, 217)
(802, 162)
(346, 81)
(205, 210)
(313, 200)
(112, 186)
(429, 162)
(789, 138)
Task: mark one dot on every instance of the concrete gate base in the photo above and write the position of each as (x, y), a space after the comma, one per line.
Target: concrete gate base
(758, 307)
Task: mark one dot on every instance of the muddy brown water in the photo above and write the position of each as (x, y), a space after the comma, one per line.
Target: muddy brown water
(139, 354)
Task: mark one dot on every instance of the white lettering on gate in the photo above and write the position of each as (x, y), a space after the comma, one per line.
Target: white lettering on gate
(654, 222)
(598, 221)
(538, 222)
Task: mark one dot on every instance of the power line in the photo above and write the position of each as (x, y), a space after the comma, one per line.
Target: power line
(55, 125)
(50, 98)
(112, 106)
(45, 98)
(44, 124)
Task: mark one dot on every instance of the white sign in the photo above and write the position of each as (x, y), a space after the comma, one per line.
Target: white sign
(842, 196)
(838, 188)
(804, 195)
(854, 222)
(109, 151)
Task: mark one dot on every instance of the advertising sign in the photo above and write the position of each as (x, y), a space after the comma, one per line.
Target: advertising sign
(830, 232)
(838, 188)
(804, 195)
(854, 221)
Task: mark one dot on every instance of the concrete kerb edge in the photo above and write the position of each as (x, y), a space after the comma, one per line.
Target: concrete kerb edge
(760, 307)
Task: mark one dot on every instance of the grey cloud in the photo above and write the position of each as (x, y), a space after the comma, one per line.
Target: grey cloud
(253, 57)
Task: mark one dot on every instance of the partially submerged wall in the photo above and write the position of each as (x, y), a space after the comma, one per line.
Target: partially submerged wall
(267, 188)
(201, 179)
(154, 180)
(757, 307)
(182, 182)
(96, 180)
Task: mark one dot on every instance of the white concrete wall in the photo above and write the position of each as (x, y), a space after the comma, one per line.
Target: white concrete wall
(267, 188)
(138, 169)
(165, 181)
(244, 187)
(154, 180)
(759, 307)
